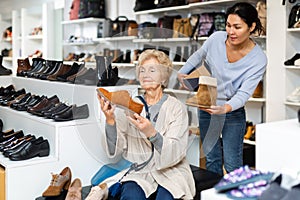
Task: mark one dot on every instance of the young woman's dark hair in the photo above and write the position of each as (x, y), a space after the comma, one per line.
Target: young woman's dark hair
(248, 14)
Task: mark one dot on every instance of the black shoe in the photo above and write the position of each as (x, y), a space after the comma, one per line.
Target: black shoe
(59, 112)
(37, 147)
(292, 60)
(17, 145)
(299, 115)
(17, 134)
(80, 112)
(57, 108)
(4, 71)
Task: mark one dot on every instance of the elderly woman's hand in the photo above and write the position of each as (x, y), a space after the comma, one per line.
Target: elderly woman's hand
(143, 124)
(108, 110)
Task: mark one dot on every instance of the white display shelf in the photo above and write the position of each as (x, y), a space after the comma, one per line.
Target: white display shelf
(7, 59)
(292, 67)
(276, 145)
(8, 164)
(159, 40)
(84, 20)
(261, 100)
(214, 5)
(293, 30)
(35, 37)
(288, 103)
(79, 43)
(114, 39)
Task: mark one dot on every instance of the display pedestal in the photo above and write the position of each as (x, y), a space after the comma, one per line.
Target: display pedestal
(277, 145)
(211, 194)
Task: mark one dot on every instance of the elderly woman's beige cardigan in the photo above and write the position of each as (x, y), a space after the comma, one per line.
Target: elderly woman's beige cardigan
(170, 169)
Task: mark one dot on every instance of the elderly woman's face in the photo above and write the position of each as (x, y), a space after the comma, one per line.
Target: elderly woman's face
(150, 73)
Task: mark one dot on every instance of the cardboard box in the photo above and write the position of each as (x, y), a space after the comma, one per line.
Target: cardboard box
(2, 183)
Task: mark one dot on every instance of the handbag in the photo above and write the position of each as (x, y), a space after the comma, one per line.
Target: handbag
(144, 5)
(182, 28)
(115, 189)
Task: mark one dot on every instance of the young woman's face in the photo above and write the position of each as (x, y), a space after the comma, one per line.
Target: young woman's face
(150, 74)
(237, 30)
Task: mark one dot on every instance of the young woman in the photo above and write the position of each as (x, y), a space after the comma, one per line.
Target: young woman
(168, 174)
(238, 64)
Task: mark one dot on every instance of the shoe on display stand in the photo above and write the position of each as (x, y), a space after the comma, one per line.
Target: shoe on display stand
(295, 60)
(294, 96)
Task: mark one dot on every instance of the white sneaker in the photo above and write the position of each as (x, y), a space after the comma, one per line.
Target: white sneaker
(294, 96)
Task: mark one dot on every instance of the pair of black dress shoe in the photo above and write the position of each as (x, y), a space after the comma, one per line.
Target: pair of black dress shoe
(63, 112)
(28, 148)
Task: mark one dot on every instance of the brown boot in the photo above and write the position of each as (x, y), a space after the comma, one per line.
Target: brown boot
(206, 95)
(58, 183)
(258, 92)
(122, 99)
(23, 65)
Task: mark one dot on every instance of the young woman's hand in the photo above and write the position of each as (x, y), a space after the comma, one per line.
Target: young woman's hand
(143, 124)
(218, 110)
(108, 110)
(180, 78)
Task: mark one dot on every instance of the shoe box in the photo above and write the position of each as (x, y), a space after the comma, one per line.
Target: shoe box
(2, 183)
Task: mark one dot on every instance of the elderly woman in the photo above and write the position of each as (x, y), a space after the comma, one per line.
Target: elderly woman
(167, 175)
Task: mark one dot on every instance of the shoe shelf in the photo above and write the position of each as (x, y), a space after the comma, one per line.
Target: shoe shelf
(82, 21)
(212, 5)
(115, 39)
(9, 59)
(35, 37)
(79, 43)
(246, 141)
(292, 67)
(288, 103)
(293, 30)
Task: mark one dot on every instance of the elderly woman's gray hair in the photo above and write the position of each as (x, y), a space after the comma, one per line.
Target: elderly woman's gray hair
(164, 61)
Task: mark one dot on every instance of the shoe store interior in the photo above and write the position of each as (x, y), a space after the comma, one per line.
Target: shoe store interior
(84, 89)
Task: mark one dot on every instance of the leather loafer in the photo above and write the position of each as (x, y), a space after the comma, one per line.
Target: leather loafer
(76, 112)
(37, 147)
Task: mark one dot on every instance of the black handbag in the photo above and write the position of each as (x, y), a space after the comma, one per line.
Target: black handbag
(144, 5)
(119, 26)
(91, 8)
(170, 3)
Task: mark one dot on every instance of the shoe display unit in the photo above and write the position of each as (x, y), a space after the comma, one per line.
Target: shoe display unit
(6, 44)
(27, 41)
(72, 143)
(292, 69)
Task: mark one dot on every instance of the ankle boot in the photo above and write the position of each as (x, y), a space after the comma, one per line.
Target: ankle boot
(177, 57)
(106, 76)
(122, 99)
(58, 183)
(23, 65)
(3, 70)
(206, 95)
(186, 54)
(127, 56)
(258, 92)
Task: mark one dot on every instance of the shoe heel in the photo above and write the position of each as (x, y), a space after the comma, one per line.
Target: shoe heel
(67, 185)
